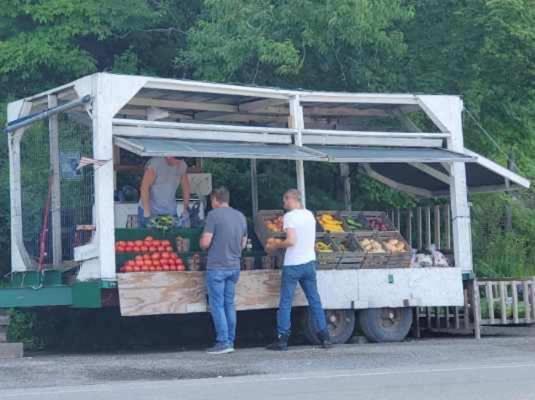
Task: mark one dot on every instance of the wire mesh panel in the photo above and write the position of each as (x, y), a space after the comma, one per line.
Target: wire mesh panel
(35, 166)
(76, 186)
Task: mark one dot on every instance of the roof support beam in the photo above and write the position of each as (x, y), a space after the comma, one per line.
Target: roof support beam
(396, 185)
(429, 170)
(260, 104)
(182, 104)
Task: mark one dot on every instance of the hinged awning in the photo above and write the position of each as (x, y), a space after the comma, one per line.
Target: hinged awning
(432, 179)
(421, 171)
(368, 154)
(154, 147)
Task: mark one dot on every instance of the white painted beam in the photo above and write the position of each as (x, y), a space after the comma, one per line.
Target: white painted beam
(446, 113)
(20, 260)
(296, 121)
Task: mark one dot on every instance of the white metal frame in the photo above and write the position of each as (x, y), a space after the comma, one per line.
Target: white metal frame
(111, 93)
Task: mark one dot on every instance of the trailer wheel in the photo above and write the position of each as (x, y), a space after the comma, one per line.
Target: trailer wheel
(340, 324)
(385, 324)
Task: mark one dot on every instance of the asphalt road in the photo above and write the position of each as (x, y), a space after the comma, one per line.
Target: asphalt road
(445, 368)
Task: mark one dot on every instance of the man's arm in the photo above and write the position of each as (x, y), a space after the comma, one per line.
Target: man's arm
(206, 240)
(291, 240)
(148, 179)
(208, 233)
(186, 189)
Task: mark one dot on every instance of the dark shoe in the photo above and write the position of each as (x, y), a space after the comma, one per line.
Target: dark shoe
(281, 344)
(220, 348)
(325, 339)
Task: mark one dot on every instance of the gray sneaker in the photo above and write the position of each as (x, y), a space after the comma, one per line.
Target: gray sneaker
(220, 348)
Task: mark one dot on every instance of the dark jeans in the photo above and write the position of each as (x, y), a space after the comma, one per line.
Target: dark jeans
(305, 274)
(221, 287)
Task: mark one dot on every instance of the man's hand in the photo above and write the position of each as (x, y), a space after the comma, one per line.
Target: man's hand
(146, 214)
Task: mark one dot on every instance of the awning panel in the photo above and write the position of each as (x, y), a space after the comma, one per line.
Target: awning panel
(361, 154)
(482, 175)
(153, 147)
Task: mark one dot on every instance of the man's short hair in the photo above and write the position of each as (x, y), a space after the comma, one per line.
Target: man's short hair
(221, 194)
(296, 194)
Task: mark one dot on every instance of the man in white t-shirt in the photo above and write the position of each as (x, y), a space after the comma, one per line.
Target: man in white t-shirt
(299, 267)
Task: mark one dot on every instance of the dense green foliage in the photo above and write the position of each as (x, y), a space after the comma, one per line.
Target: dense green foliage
(481, 49)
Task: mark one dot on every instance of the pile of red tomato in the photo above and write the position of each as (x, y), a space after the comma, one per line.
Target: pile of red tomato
(156, 255)
(148, 245)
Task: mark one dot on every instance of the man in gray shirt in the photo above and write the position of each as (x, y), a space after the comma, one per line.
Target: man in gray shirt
(224, 236)
(162, 177)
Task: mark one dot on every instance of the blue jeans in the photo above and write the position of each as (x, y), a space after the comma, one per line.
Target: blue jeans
(305, 274)
(221, 287)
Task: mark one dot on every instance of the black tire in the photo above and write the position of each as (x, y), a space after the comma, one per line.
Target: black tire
(385, 324)
(340, 323)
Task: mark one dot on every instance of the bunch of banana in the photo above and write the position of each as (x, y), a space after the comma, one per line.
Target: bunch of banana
(330, 223)
(323, 247)
(162, 222)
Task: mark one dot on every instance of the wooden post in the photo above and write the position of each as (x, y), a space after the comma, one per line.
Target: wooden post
(466, 309)
(428, 317)
(490, 300)
(447, 225)
(346, 178)
(476, 309)
(514, 289)
(419, 229)
(457, 318)
(55, 198)
(527, 307)
(296, 121)
(408, 228)
(254, 187)
(503, 308)
(436, 215)
(398, 218)
(428, 240)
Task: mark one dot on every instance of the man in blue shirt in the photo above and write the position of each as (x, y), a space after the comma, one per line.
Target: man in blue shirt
(224, 236)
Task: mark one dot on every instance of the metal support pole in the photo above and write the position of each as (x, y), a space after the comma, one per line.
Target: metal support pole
(55, 204)
(297, 122)
(30, 119)
(254, 187)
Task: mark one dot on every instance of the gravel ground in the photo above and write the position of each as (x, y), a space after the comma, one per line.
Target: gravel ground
(509, 346)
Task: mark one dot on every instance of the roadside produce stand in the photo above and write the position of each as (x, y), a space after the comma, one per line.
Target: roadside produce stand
(364, 261)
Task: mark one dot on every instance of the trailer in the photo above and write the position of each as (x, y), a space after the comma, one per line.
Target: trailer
(410, 142)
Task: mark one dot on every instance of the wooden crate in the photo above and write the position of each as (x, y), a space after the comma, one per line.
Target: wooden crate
(364, 217)
(395, 259)
(261, 230)
(341, 259)
(336, 214)
(371, 260)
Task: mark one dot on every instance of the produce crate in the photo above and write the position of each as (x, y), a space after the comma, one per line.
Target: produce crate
(371, 260)
(357, 217)
(336, 214)
(261, 230)
(365, 216)
(396, 259)
(350, 256)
